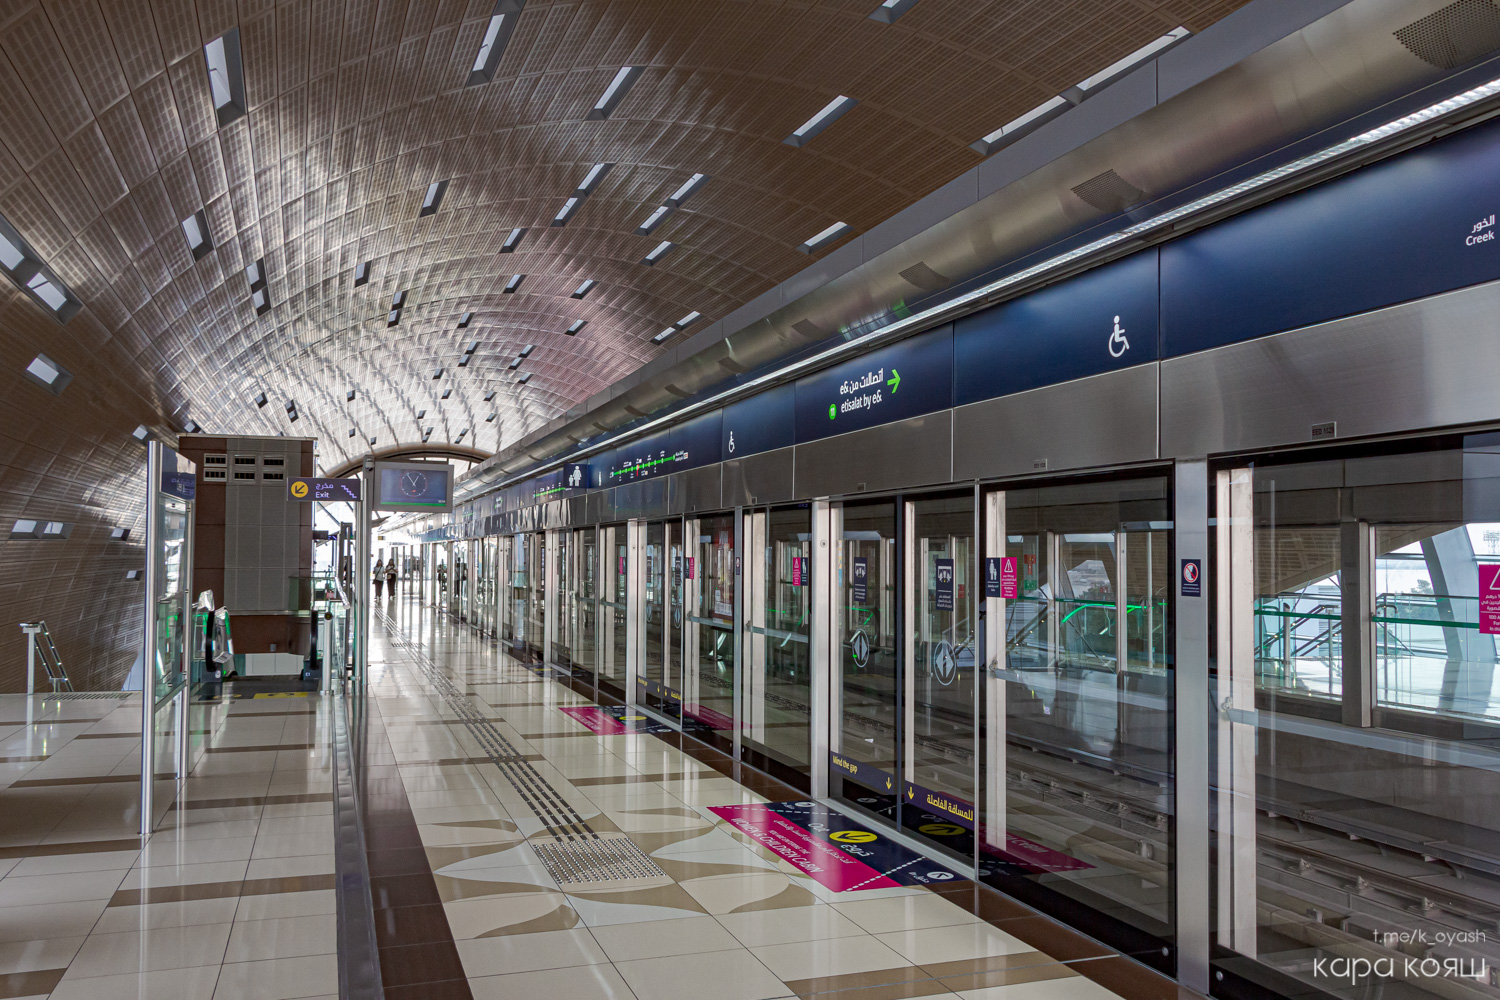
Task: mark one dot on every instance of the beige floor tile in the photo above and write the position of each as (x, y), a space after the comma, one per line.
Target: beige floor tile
(187, 851)
(271, 905)
(906, 912)
(279, 978)
(218, 871)
(928, 945)
(169, 984)
(1075, 988)
(497, 956)
(190, 913)
(50, 920)
(293, 845)
(724, 975)
(283, 937)
(728, 893)
(26, 890)
(788, 925)
(94, 861)
(530, 912)
(659, 938)
(149, 950)
(581, 982)
(311, 864)
(41, 953)
(829, 957)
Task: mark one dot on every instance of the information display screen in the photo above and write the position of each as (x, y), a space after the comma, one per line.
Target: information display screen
(413, 486)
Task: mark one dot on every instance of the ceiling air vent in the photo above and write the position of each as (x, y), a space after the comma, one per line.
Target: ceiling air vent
(602, 427)
(636, 413)
(729, 364)
(925, 278)
(1454, 35)
(1109, 192)
(808, 330)
(676, 391)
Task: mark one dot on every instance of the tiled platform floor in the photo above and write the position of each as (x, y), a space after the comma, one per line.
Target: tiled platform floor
(233, 897)
(734, 922)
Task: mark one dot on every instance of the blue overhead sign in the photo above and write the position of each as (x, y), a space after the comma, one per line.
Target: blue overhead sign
(1099, 321)
(686, 446)
(1415, 225)
(763, 422)
(903, 380)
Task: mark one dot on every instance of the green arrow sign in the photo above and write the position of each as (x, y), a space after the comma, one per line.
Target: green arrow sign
(894, 381)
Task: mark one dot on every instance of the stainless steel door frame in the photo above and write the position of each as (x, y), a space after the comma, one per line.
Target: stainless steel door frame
(635, 608)
(549, 582)
(740, 561)
(1193, 704)
(995, 662)
(908, 642)
(821, 655)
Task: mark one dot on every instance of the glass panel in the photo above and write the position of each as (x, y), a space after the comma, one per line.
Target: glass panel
(1082, 825)
(652, 678)
(1357, 840)
(865, 596)
(942, 685)
(562, 606)
(777, 727)
(536, 601)
(708, 677)
(614, 550)
(1299, 647)
(585, 564)
(171, 604)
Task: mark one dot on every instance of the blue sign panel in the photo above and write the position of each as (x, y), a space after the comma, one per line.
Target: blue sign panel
(686, 446)
(903, 380)
(1097, 322)
(576, 476)
(1415, 225)
(762, 422)
(698, 440)
(177, 478)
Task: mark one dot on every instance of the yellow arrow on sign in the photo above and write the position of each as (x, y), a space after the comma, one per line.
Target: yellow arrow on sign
(299, 488)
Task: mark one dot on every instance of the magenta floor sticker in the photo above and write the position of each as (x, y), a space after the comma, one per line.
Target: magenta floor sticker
(612, 720)
(837, 851)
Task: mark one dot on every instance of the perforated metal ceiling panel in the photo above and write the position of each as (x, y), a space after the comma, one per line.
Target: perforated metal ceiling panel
(109, 140)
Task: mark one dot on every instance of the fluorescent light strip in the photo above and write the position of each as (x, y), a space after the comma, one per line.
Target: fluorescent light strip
(661, 250)
(569, 207)
(834, 232)
(465, 320)
(615, 92)
(11, 255)
(490, 419)
(526, 351)
(48, 292)
(689, 320)
(1035, 115)
(835, 109)
(44, 369)
(433, 200)
(664, 335)
(524, 379)
(1140, 55)
(687, 190)
(592, 178)
(491, 33)
(919, 321)
(654, 220)
(514, 283)
(584, 288)
(888, 11)
(473, 346)
(489, 396)
(511, 241)
(226, 76)
(572, 331)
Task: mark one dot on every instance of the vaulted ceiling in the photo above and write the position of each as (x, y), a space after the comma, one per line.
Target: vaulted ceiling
(110, 140)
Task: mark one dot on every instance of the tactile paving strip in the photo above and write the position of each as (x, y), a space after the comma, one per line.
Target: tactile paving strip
(609, 861)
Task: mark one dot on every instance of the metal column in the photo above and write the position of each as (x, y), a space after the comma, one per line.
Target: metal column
(148, 647)
(822, 673)
(1190, 506)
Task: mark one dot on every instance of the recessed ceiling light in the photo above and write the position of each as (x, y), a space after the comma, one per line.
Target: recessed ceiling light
(835, 109)
(592, 178)
(398, 301)
(655, 255)
(524, 379)
(226, 76)
(654, 220)
(191, 427)
(473, 346)
(372, 442)
(686, 191)
(515, 364)
(566, 212)
(837, 231)
(352, 432)
(195, 228)
(572, 331)
(433, 199)
(426, 434)
(463, 362)
(24, 527)
(447, 393)
(259, 301)
(465, 320)
(392, 318)
(492, 46)
(361, 274)
(260, 399)
(514, 283)
(1120, 67)
(437, 373)
(584, 288)
(887, 12)
(1014, 129)
(48, 374)
(11, 256)
(120, 534)
(688, 320)
(141, 432)
(512, 241)
(349, 396)
(490, 419)
(526, 351)
(132, 574)
(461, 435)
(255, 273)
(49, 292)
(489, 396)
(615, 92)
(664, 335)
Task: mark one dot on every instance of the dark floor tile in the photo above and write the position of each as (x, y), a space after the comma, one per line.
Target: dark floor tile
(403, 890)
(450, 989)
(394, 836)
(409, 925)
(39, 982)
(405, 861)
(413, 964)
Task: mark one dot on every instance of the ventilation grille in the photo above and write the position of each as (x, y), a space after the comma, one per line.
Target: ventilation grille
(1454, 35)
(925, 278)
(808, 330)
(609, 862)
(1109, 192)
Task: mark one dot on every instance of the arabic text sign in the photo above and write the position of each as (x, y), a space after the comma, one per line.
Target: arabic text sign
(1489, 598)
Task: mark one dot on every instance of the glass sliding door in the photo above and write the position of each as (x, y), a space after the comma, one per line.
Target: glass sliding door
(940, 685)
(865, 765)
(776, 678)
(563, 624)
(659, 683)
(708, 673)
(1077, 760)
(583, 554)
(613, 633)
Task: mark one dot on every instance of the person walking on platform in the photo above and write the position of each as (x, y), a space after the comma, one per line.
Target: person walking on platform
(379, 577)
(390, 576)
